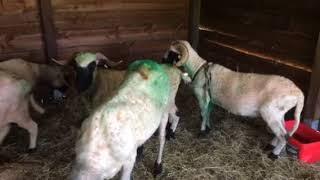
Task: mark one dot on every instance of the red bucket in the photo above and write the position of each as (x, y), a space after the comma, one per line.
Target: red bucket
(305, 142)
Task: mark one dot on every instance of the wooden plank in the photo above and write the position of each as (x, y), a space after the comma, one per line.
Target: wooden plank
(274, 50)
(17, 6)
(176, 24)
(295, 7)
(19, 18)
(194, 22)
(48, 29)
(126, 51)
(116, 6)
(64, 3)
(312, 108)
(247, 63)
(277, 19)
(121, 17)
(16, 43)
(33, 56)
(107, 36)
(112, 51)
(29, 28)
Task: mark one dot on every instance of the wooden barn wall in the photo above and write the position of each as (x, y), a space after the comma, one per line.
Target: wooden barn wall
(121, 29)
(267, 36)
(20, 33)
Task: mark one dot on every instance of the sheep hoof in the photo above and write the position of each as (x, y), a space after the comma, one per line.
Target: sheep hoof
(203, 134)
(273, 156)
(31, 150)
(140, 153)
(157, 169)
(268, 147)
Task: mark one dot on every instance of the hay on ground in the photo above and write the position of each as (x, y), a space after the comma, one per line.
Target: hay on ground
(233, 149)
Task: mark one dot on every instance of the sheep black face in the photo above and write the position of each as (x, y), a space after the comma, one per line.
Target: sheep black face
(86, 66)
(84, 76)
(171, 57)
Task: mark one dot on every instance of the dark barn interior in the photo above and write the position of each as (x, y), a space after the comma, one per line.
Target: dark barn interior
(260, 36)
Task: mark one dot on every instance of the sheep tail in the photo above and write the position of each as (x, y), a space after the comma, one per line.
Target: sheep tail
(36, 106)
(297, 114)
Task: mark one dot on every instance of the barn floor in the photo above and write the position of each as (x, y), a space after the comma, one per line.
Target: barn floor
(231, 151)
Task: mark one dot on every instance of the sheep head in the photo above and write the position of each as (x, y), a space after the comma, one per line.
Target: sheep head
(86, 64)
(183, 55)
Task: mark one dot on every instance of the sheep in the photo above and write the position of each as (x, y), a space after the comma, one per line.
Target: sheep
(17, 80)
(245, 94)
(35, 73)
(97, 83)
(110, 136)
(102, 83)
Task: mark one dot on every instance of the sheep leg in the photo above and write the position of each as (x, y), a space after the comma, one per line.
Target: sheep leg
(273, 143)
(175, 121)
(32, 128)
(174, 118)
(281, 145)
(172, 125)
(206, 107)
(128, 167)
(3, 132)
(158, 164)
(274, 121)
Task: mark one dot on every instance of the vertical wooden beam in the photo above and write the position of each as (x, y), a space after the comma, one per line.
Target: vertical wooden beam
(194, 21)
(48, 29)
(312, 108)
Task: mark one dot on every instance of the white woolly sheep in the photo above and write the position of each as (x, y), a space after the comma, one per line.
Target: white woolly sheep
(245, 94)
(110, 137)
(17, 79)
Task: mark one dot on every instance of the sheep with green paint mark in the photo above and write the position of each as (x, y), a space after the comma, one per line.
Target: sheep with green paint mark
(110, 136)
(246, 94)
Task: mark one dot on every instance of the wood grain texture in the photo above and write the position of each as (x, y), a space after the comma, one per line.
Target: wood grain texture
(120, 29)
(273, 37)
(284, 28)
(247, 63)
(117, 27)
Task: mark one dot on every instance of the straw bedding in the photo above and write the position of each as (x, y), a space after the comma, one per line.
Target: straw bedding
(232, 150)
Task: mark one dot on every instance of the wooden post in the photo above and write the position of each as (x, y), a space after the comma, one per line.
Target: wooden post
(48, 29)
(194, 21)
(312, 108)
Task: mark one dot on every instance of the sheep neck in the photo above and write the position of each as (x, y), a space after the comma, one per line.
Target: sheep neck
(193, 65)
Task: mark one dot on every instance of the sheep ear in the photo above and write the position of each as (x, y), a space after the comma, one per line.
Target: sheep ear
(59, 62)
(102, 58)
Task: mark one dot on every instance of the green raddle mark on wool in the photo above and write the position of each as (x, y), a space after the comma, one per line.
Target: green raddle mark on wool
(157, 84)
(208, 112)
